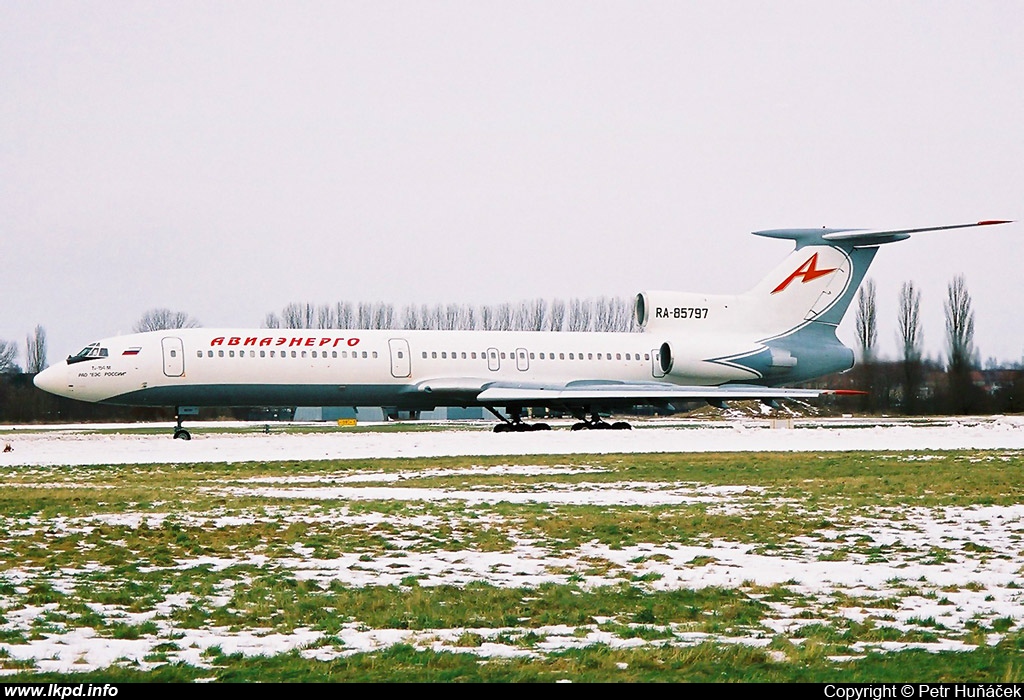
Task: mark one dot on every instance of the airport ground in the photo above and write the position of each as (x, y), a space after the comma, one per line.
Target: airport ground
(830, 549)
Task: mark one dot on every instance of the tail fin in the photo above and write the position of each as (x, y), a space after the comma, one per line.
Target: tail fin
(787, 323)
(819, 280)
(816, 283)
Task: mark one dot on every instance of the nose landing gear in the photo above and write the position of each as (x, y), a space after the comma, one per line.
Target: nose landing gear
(179, 432)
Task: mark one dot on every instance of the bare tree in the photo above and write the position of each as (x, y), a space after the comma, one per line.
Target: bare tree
(504, 317)
(325, 317)
(960, 344)
(487, 320)
(35, 351)
(9, 358)
(867, 337)
(537, 318)
(410, 317)
(467, 318)
(557, 315)
(164, 319)
(450, 315)
(383, 316)
(293, 316)
(867, 328)
(344, 315)
(911, 339)
(580, 315)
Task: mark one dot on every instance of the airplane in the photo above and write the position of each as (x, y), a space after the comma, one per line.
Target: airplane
(713, 348)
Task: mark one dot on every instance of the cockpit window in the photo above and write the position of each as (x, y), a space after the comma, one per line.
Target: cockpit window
(89, 352)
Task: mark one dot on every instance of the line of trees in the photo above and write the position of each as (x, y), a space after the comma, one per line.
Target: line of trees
(913, 384)
(614, 314)
(35, 354)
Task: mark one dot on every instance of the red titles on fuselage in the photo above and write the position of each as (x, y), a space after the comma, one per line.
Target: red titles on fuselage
(277, 341)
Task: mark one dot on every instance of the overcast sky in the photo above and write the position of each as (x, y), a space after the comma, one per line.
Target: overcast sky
(225, 159)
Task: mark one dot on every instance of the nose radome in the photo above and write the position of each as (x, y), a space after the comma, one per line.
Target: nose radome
(53, 379)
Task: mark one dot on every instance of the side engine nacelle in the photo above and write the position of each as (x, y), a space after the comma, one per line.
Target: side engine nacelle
(686, 312)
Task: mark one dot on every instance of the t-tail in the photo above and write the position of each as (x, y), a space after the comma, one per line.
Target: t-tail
(788, 320)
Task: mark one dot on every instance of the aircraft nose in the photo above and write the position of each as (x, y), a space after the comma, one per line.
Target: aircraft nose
(53, 379)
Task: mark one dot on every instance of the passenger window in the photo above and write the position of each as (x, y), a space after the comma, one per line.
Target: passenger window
(334, 353)
(220, 353)
(293, 354)
(209, 353)
(174, 353)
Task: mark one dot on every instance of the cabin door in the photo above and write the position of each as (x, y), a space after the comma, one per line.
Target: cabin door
(522, 359)
(401, 362)
(174, 357)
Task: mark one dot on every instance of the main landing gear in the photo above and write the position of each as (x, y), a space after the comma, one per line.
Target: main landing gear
(514, 422)
(595, 422)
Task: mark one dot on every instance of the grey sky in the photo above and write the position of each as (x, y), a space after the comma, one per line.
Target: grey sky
(225, 159)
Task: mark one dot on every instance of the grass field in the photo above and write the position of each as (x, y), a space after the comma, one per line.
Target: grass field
(855, 567)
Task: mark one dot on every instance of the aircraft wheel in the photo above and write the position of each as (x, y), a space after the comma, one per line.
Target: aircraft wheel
(621, 425)
(541, 426)
(579, 426)
(501, 428)
(182, 434)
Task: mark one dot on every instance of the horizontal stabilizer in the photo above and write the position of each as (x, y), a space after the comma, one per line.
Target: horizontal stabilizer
(861, 237)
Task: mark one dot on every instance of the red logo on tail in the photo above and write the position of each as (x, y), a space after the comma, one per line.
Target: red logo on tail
(806, 272)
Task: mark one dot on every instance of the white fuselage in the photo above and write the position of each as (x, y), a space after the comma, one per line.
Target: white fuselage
(227, 367)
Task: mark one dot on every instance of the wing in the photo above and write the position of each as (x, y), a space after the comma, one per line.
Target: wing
(606, 393)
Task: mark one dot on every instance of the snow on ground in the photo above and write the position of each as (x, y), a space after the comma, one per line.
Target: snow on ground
(976, 582)
(82, 445)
